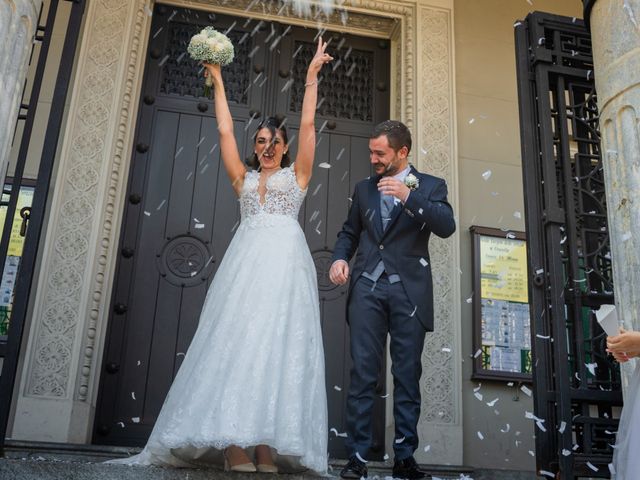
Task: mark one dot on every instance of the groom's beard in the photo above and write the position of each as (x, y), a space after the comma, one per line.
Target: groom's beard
(391, 168)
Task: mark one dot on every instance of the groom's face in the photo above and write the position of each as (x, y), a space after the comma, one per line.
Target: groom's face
(385, 160)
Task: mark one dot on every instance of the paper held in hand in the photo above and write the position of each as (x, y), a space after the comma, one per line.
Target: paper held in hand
(608, 319)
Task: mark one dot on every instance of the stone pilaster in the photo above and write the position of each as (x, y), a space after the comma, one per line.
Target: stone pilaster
(18, 23)
(56, 396)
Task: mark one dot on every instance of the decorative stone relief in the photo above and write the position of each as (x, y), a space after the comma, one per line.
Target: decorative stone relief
(439, 381)
(68, 265)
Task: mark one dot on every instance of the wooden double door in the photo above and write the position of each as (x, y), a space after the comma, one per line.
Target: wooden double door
(181, 211)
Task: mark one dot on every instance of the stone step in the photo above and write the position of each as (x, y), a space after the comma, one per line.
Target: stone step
(46, 461)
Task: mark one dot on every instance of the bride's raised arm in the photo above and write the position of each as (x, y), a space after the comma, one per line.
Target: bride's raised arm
(228, 147)
(307, 135)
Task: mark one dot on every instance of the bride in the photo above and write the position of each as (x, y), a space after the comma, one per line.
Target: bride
(252, 382)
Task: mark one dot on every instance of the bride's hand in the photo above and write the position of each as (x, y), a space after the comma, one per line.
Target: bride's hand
(318, 60)
(212, 70)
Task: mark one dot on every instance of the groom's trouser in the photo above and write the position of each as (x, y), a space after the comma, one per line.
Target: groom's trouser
(376, 309)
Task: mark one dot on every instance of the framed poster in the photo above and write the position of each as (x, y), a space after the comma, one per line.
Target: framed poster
(501, 320)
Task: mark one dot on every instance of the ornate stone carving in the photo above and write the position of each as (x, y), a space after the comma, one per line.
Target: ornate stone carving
(69, 262)
(440, 403)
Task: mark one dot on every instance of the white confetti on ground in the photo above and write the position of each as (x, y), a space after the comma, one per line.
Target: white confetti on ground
(486, 175)
(526, 390)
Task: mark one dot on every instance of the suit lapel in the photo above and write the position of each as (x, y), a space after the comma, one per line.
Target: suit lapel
(374, 206)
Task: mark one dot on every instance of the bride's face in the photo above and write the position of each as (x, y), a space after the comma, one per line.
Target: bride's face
(269, 150)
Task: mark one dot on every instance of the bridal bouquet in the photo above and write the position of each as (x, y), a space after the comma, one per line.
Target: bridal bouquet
(211, 46)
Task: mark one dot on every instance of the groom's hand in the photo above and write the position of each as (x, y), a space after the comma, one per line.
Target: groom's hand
(393, 186)
(339, 272)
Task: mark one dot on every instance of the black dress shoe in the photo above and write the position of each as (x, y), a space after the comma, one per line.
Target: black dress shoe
(354, 469)
(407, 469)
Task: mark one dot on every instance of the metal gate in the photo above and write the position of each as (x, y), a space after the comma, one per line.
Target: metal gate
(577, 386)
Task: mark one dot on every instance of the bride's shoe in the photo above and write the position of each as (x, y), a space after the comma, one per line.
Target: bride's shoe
(246, 467)
(266, 467)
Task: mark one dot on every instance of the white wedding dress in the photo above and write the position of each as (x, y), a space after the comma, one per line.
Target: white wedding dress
(254, 372)
(626, 454)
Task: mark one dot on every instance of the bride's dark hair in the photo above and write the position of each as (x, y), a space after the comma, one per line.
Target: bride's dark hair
(273, 124)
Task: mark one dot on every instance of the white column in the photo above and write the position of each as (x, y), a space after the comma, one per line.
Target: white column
(615, 30)
(18, 23)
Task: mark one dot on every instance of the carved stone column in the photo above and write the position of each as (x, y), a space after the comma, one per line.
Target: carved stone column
(56, 396)
(18, 23)
(615, 31)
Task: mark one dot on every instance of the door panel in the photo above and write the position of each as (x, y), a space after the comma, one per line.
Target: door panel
(182, 212)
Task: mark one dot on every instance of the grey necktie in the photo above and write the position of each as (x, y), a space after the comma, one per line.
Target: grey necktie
(386, 206)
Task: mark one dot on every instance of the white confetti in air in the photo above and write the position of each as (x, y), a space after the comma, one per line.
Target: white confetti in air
(632, 17)
(314, 216)
(316, 190)
(135, 419)
(472, 120)
(199, 225)
(517, 24)
(546, 473)
(478, 353)
(592, 466)
(486, 175)
(544, 337)
(386, 457)
(420, 211)
(530, 2)
(178, 152)
(517, 214)
(493, 402)
(625, 237)
(138, 364)
(541, 425)
(531, 416)
(324, 165)
(180, 354)
(133, 395)
(540, 271)
(147, 213)
(612, 469)
(495, 194)
(189, 176)
(478, 395)
(399, 440)
(575, 447)
(336, 387)
(511, 235)
(384, 396)
(480, 436)
(414, 311)
(506, 428)
(476, 389)
(427, 448)
(423, 262)
(563, 425)
(121, 424)
(161, 204)
(318, 228)
(338, 434)
(470, 299)
(566, 452)
(531, 453)
(591, 367)
(360, 458)
(526, 390)
(446, 349)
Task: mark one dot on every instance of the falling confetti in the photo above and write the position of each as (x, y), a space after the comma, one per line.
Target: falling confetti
(360, 458)
(336, 387)
(480, 436)
(566, 452)
(478, 395)
(446, 349)
(472, 120)
(399, 440)
(423, 262)
(493, 402)
(506, 428)
(526, 390)
(121, 424)
(486, 175)
(591, 367)
(338, 434)
(427, 448)
(592, 466)
(135, 419)
(199, 225)
(517, 214)
(478, 353)
(147, 213)
(133, 395)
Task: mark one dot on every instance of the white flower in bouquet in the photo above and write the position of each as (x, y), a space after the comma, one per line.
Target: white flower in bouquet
(211, 46)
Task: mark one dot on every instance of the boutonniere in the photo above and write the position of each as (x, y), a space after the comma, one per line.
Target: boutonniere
(411, 181)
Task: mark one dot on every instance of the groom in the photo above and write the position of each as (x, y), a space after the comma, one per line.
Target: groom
(391, 218)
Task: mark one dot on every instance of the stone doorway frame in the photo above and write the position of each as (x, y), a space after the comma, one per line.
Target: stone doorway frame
(61, 362)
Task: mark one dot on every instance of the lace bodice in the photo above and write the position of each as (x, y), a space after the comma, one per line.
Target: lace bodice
(283, 196)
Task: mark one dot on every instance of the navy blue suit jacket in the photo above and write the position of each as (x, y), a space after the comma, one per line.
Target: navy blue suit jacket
(404, 245)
